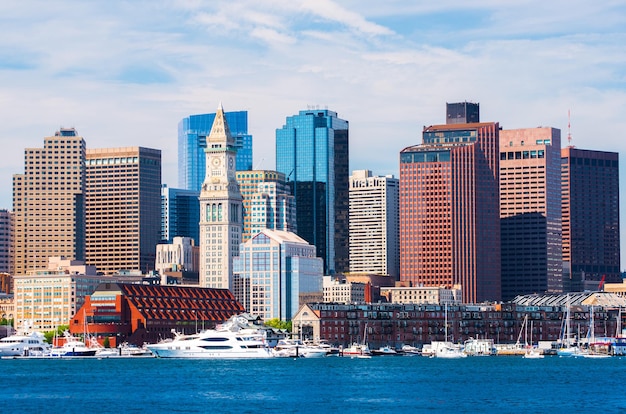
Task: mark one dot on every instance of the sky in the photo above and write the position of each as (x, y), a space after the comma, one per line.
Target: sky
(124, 73)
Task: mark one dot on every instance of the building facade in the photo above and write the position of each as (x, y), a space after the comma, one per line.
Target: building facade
(267, 202)
(374, 224)
(312, 152)
(422, 295)
(123, 208)
(5, 240)
(462, 113)
(590, 204)
(49, 203)
(221, 215)
(180, 255)
(449, 210)
(530, 211)
(342, 291)
(180, 213)
(47, 298)
(274, 270)
(192, 140)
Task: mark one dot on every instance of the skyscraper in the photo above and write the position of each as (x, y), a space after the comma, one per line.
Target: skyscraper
(590, 199)
(374, 224)
(449, 210)
(5, 240)
(123, 208)
(180, 214)
(267, 202)
(192, 140)
(49, 203)
(221, 221)
(530, 211)
(312, 152)
(462, 113)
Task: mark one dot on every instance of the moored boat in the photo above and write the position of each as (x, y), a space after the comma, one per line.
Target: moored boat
(24, 344)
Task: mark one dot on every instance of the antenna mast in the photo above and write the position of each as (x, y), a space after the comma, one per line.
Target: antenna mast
(569, 130)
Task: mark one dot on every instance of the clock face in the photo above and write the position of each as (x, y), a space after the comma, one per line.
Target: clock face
(216, 162)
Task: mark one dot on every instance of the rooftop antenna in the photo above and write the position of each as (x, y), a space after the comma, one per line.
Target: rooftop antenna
(569, 129)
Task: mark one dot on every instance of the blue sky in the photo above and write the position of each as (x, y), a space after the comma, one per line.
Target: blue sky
(124, 73)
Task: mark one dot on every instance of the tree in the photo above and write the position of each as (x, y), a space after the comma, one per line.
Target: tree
(278, 324)
(58, 332)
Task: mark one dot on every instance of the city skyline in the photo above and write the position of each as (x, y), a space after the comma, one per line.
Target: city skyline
(132, 71)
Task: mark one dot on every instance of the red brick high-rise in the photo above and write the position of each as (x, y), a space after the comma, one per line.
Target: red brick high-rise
(449, 210)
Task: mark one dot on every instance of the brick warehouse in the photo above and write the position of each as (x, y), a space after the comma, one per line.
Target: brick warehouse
(139, 313)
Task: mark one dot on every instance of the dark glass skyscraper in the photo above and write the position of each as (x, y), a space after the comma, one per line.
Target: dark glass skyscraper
(192, 134)
(312, 152)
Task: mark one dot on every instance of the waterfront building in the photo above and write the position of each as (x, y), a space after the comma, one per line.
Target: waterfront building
(49, 203)
(312, 152)
(7, 307)
(267, 202)
(47, 298)
(422, 295)
(180, 213)
(374, 224)
(192, 141)
(221, 215)
(386, 324)
(5, 240)
(530, 211)
(274, 270)
(449, 210)
(140, 313)
(6, 283)
(590, 209)
(123, 205)
(341, 291)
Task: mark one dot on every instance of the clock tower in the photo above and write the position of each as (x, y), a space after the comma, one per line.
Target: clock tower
(221, 221)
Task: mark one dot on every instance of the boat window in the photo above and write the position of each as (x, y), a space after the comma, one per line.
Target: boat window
(217, 339)
(216, 347)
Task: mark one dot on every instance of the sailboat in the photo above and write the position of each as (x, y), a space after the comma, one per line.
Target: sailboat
(567, 349)
(447, 349)
(531, 351)
(357, 350)
(589, 352)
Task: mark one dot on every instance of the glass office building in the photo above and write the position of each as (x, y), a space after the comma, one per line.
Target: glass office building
(312, 152)
(192, 134)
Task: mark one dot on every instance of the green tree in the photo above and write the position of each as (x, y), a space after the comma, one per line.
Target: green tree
(106, 343)
(278, 324)
(58, 332)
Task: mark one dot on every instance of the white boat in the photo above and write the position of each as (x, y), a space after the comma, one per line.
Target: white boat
(410, 350)
(567, 348)
(73, 347)
(533, 353)
(24, 344)
(448, 350)
(356, 349)
(232, 340)
(384, 350)
(293, 348)
(479, 347)
(591, 351)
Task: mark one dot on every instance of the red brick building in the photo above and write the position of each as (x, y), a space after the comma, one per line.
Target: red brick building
(139, 313)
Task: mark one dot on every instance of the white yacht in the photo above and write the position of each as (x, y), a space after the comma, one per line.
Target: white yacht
(72, 347)
(233, 339)
(295, 348)
(24, 344)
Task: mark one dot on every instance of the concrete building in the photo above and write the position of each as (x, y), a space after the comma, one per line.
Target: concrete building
(181, 254)
(5, 240)
(267, 202)
(449, 210)
(274, 270)
(221, 215)
(47, 298)
(374, 224)
(123, 208)
(312, 151)
(192, 141)
(180, 213)
(422, 295)
(590, 208)
(530, 211)
(462, 113)
(341, 291)
(49, 203)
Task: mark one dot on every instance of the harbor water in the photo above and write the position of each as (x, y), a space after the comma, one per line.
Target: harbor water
(325, 385)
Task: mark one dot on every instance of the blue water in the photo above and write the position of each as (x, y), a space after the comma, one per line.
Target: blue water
(328, 385)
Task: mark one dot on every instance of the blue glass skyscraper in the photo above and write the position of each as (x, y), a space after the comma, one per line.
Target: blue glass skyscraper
(192, 133)
(312, 152)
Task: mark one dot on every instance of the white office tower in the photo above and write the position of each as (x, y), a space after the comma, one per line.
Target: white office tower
(374, 224)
